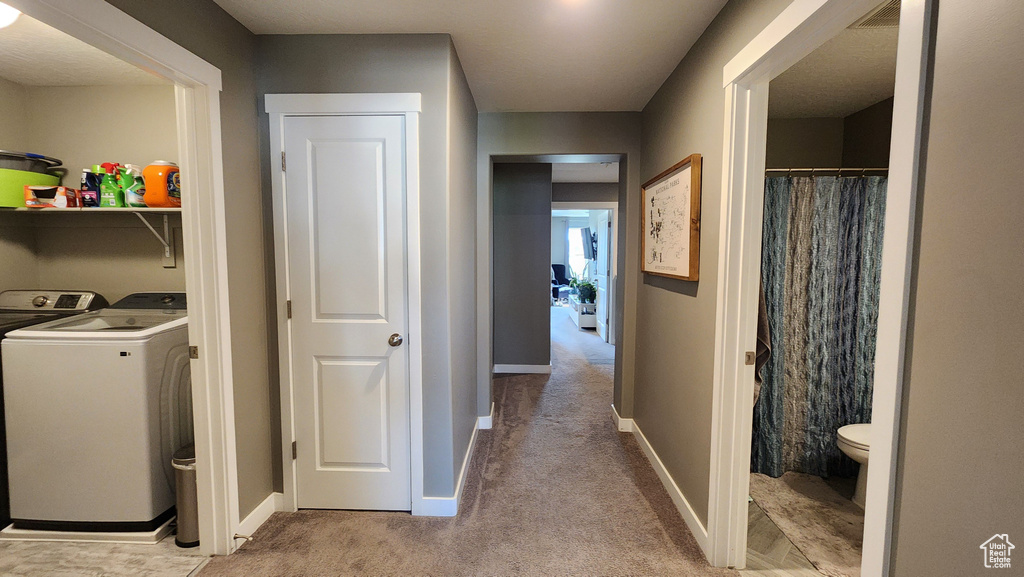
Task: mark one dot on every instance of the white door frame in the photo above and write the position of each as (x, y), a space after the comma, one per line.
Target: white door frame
(279, 107)
(613, 207)
(798, 30)
(197, 96)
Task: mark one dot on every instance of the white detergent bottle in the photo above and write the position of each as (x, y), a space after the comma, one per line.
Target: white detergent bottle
(134, 186)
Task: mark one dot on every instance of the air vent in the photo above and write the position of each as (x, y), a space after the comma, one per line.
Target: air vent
(885, 16)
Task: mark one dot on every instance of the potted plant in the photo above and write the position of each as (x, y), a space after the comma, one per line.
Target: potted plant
(574, 282)
(587, 291)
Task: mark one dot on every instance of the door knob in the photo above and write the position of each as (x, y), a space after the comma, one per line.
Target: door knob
(395, 340)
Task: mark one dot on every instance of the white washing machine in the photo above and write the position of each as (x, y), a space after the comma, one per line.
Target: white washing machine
(96, 405)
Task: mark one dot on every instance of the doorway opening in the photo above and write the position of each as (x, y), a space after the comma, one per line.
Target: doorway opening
(172, 96)
(555, 254)
(828, 140)
(583, 241)
(801, 27)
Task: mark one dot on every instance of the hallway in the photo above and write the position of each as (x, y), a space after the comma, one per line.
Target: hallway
(553, 489)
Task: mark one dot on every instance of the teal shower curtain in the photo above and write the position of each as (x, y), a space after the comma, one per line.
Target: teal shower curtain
(820, 266)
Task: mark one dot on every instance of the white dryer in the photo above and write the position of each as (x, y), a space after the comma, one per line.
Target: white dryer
(96, 405)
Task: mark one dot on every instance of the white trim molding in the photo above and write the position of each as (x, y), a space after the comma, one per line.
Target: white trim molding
(255, 519)
(622, 424)
(484, 423)
(524, 369)
(700, 533)
(448, 506)
(584, 205)
(197, 97)
(798, 30)
(279, 107)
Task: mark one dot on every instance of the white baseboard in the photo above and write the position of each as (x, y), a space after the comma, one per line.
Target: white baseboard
(699, 531)
(448, 506)
(531, 369)
(484, 423)
(623, 425)
(259, 515)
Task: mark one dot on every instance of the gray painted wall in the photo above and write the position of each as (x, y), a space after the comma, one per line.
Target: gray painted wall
(867, 136)
(86, 125)
(19, 267)
(205, 29)
(861, 140)
(522, 273)
(960, 460)
(559, 228)
(462, 132)
(804, 143)
(112, 254)
(585, 192)
(397, 63)
(542, 133)
(676, 319)
(13, 128)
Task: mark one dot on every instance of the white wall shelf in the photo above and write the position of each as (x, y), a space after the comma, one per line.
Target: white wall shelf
(125, 210)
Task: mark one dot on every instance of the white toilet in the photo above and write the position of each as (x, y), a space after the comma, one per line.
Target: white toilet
(854, 441)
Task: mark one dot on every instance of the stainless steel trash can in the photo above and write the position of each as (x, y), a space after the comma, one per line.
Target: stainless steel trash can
(184, 463)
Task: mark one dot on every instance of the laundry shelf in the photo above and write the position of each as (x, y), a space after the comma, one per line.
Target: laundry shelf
(125, 210)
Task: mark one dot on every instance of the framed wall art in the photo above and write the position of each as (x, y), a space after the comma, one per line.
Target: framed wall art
(670, 221)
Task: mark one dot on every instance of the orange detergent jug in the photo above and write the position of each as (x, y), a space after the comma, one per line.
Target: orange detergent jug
(163, 185)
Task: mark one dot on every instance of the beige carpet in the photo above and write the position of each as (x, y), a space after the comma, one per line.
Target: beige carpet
(826, 526)
(553, 489)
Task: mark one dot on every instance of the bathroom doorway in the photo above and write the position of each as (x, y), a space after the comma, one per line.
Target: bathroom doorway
(828, 139)
(800, 28)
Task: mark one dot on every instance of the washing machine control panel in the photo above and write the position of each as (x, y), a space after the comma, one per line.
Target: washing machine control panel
(55, 301)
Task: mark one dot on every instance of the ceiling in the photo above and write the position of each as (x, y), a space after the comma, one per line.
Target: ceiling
(521, 55)
(845, 75)
(585, 172)
(35, 54)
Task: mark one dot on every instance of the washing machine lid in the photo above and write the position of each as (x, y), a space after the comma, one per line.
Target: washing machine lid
(153, 301)
(11, 321)
(107, 324)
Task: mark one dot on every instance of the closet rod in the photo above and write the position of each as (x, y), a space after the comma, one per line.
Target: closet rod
(860, 170)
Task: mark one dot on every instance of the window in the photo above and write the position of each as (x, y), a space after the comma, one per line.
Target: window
(577, 262)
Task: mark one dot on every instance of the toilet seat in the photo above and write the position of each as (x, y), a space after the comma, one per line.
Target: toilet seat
(858, 436)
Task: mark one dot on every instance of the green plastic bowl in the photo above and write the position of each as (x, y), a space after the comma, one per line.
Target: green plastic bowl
(13, 183)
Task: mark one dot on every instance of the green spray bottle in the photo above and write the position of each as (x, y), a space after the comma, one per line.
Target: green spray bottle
(111, 195)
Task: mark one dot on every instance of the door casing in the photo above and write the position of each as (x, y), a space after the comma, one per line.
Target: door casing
(198, 120)
(796, 32)
(279, 107)
(613, 216)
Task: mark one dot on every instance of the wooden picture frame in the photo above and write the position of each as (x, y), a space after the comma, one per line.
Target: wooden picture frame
(670, 222)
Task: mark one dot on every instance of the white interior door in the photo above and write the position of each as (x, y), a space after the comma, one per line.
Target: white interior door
(345, 204)
(603, 273)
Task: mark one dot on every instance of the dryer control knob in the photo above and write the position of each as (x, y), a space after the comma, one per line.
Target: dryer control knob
(40, 301)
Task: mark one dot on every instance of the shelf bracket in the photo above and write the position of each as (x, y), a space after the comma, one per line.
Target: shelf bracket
(166, 240)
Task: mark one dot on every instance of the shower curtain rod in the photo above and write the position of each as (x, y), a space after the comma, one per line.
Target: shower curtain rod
(812, 170)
